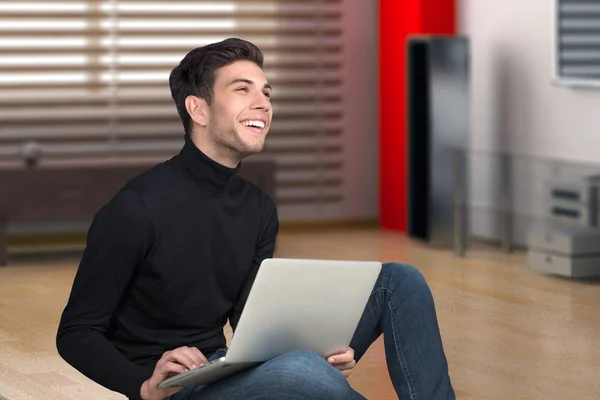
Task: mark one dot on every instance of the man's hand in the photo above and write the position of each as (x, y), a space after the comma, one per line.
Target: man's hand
(171, 363)
(343, 361)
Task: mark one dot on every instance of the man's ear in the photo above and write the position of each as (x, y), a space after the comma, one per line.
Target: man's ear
(197, 108)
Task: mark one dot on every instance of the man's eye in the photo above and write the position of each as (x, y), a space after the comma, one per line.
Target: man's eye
(243, 89)
(267, 95)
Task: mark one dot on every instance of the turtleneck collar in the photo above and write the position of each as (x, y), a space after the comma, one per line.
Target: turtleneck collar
(203, 167)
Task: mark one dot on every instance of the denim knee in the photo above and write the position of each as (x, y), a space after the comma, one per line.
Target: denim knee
(306, 375)
(403, 276)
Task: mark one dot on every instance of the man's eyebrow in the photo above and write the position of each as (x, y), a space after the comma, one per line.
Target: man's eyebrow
(249, 82)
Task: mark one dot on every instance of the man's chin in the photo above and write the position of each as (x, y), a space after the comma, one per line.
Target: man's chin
(256, 149)
(247, 145)
(252, 148)
(255, 146)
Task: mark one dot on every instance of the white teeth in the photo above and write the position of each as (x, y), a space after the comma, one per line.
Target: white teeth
(257, 124)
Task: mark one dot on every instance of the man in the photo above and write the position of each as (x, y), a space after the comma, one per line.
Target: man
(170, 259)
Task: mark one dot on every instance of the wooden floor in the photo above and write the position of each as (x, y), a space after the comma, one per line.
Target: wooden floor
(509, 333)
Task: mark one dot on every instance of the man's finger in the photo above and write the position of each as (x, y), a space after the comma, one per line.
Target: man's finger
(196, 357)
(346, 366)
(182, 358)
(341, 358)
(201, 357)
(170, 367)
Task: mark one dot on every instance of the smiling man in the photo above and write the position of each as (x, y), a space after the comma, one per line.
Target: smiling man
(232, 122)
(171, 258)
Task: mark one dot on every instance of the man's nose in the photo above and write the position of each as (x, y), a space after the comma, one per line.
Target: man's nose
(261, 102)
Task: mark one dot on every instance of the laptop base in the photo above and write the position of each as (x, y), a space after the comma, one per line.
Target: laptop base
(212, 372)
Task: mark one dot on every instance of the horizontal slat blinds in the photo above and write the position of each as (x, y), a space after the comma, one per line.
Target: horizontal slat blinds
(579, 39)
(88, 81)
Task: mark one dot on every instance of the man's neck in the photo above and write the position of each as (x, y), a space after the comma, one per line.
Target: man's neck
(218, 155)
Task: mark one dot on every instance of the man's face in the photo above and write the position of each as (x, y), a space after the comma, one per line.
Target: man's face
(240, 114)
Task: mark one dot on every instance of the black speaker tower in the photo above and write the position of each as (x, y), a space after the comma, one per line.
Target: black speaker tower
(438, 130)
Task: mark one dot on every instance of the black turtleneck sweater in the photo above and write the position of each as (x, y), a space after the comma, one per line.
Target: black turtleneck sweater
(169, 260)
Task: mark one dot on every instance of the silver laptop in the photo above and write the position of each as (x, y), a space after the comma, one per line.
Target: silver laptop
(294, 304)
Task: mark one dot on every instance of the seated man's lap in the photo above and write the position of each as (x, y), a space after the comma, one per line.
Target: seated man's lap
(295, 375)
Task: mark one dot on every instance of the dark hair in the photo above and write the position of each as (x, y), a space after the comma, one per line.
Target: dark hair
(195, 74)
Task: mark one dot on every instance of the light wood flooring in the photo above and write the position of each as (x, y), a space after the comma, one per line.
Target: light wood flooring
(509, 332)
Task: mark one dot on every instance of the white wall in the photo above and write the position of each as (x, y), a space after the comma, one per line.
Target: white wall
(516, 106)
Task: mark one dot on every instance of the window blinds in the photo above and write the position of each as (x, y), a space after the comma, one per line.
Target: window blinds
(578, 44)
(87, 81)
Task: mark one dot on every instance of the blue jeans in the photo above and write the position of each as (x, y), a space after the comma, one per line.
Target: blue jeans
(401, 308)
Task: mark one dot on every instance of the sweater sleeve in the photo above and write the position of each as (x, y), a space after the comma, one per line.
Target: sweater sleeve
(118, 239)
(265, 248)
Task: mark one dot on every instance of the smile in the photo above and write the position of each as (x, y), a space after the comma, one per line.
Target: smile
(256, 124)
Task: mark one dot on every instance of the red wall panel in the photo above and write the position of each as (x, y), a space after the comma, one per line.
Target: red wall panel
(399, 19)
